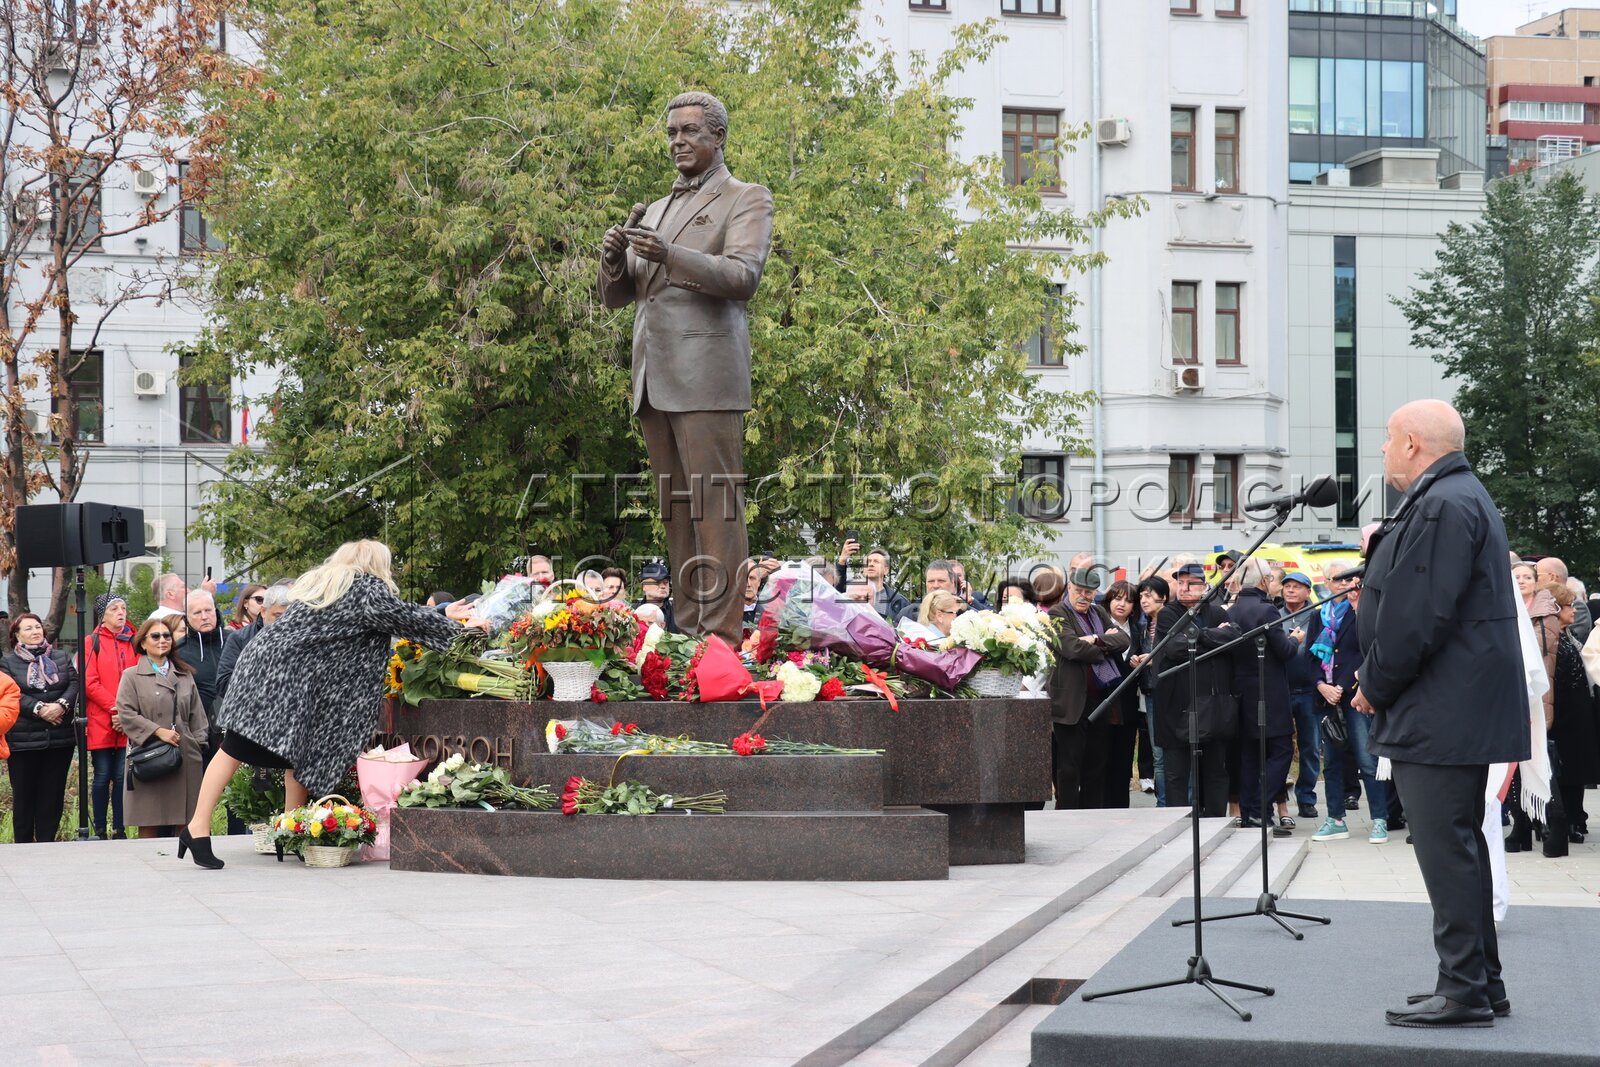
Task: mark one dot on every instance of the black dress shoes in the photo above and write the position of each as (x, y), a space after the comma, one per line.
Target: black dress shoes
(1308, 811)
(1501, 1007)
(1440, 1012)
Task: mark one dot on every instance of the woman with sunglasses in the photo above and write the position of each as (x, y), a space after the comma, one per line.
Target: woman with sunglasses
(247, 608)
(157, 698)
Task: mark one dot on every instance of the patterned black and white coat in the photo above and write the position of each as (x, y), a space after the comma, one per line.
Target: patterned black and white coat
(310, 686)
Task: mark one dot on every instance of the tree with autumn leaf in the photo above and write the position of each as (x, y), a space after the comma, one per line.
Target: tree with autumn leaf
(413, 223)
(95, 93)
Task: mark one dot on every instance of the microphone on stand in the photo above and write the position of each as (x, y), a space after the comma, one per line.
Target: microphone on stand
(1321, 493)
(1344, 576)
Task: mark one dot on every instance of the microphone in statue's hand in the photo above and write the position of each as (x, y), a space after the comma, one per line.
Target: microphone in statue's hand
(1321, 493)
(634, 216)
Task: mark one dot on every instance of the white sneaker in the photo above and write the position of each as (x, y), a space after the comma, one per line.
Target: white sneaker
(1147, 785)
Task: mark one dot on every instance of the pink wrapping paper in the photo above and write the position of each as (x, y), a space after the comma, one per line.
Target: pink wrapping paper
(382, 782)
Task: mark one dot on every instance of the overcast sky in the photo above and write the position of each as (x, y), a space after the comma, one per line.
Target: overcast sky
(1489, 17)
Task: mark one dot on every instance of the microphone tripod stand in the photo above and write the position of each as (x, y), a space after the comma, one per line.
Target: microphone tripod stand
(1267, 902)
(1199, 972)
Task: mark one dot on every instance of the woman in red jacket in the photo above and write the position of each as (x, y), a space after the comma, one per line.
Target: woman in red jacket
(110, 653)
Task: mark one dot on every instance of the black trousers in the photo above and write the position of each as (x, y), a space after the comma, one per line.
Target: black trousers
(1279, 751)
(1119, 762)
(1078, 755)
(1444, 809)
(38, 793)
(1213, 784)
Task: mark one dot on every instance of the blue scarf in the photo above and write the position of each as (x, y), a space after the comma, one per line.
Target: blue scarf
(1332, 615)
(159, 668)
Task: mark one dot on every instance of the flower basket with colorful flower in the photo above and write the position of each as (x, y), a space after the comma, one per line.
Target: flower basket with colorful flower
(458, 783)
(327, 833)
(571, 628)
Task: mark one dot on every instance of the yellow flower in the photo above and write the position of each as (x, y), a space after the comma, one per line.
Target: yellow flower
(316, 829)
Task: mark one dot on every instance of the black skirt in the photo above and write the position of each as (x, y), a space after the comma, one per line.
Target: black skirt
(247, 751)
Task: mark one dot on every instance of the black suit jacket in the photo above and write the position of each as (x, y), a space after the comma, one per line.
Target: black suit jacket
(1438, 627)
(1253, 609)
(1214, 675)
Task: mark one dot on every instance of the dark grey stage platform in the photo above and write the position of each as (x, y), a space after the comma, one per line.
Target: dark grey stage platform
(1332, 989)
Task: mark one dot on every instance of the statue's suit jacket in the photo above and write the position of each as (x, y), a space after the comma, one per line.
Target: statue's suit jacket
(691, 341)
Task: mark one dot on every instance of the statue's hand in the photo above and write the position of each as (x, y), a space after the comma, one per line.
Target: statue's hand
(615, 245)
(647, 244)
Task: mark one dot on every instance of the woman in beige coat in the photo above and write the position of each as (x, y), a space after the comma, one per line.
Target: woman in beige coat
(157, 698)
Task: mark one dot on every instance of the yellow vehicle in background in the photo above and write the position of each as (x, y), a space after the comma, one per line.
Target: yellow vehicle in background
(1318, 561)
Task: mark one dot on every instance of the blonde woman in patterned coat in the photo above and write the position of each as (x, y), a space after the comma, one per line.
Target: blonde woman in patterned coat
(305, 694)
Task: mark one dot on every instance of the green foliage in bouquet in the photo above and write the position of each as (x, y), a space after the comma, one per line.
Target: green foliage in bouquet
(456, 783)
(253, 806)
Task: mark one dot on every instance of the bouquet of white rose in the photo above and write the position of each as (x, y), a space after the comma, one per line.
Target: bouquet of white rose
(1017, 639)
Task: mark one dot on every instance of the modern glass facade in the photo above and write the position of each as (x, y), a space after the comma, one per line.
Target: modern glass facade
(1346, 427)
(1367, 74)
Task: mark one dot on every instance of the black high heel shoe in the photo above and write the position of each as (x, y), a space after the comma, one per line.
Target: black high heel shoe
(201, 847)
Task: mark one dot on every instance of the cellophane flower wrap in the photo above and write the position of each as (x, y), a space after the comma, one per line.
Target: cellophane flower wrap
(810, 613)
(511, 598)
(384, 775)
(1017, 638)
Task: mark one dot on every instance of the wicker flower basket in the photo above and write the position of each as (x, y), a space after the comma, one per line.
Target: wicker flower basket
(990, 682)
(329, 855)
(262, 833)
(572, 680)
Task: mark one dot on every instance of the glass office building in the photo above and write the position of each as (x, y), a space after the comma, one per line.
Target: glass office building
(1367, 74)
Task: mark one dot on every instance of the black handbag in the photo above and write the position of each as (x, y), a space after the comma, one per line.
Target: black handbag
(155, 759)
(1334, 730)
(1216, 719)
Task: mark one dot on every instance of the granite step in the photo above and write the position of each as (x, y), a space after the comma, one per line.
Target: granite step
(753, 783)
(894, 844)
(1284, 859)
(1013, 1045)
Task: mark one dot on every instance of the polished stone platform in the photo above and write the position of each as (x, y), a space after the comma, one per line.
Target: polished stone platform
(897, 844)
(981, 762)
(1331, 992)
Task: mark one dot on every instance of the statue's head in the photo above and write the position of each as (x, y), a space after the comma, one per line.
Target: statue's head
(697, 130)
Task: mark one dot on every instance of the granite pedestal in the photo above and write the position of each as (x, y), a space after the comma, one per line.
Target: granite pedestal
(982, 762)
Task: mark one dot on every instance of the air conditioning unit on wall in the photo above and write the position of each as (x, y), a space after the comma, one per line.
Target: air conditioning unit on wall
(149, 182)
(1188, 379)
(155, 533)
(148, 382)
(1112, 131)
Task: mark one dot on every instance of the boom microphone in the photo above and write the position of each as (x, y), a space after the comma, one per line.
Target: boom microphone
(1345, 576)
(1321, 493)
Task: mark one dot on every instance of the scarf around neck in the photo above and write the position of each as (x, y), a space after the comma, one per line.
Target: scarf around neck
(1332, 615)
(42, 673)
(1105, 671)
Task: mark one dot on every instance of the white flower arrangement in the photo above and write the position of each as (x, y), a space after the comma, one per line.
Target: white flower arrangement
(652, 638)
(799, 684)
(1017, 638)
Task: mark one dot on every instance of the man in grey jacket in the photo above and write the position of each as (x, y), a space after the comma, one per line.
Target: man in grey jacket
(688, 263)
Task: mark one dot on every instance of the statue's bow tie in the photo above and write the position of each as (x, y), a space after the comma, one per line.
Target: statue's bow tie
(687, 185)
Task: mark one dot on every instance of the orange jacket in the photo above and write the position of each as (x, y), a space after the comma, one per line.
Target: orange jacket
(10, 708)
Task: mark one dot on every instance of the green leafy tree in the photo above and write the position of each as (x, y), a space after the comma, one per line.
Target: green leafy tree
(413, 226)
(1510, 312)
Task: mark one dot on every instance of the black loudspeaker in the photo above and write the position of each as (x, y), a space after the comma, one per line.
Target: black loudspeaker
(76, 535)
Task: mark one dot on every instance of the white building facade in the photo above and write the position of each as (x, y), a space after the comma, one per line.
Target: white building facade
(1353, 249)
(1191, 324)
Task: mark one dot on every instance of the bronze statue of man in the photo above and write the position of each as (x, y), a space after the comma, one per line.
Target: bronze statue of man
(689, 262)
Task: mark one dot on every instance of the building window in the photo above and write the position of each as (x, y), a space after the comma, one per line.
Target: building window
(927, 5)
(1227, 151)
(83, 206)
(203, 409)
(1230, 8)
(1544, 111)
(1042, 348)
(1184, 313)
(1185, 7)
(1302, 94)
(1229, 348)
(1225, 487)
(1180, 486)
(1346, 455)
(86, 392)
(1028, 137)
(1183, 149)
(194, 235)
(1042, 494)
(1029, 7)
